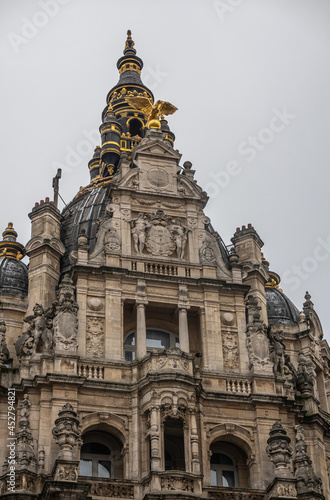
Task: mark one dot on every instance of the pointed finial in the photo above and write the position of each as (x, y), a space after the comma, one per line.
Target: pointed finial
(129, 45)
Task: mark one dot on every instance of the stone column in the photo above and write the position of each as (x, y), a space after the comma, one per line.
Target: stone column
(195, 462)
(183, 306)
(141, 329)
(154, 439)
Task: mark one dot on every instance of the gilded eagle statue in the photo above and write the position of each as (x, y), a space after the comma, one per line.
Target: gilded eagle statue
(152, 110)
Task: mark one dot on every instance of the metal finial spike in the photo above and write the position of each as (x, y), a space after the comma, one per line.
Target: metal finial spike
(129, 34)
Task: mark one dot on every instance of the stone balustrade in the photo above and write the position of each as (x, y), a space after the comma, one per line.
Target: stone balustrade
(91, 371)
(238, 386)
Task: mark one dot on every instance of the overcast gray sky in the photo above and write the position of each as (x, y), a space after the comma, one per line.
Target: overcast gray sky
(250, 79)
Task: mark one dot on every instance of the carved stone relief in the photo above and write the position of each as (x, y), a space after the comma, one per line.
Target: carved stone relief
(107, 239)
(95, 304)
(95, 337)
(66, 321)
(66, 472)
(230, 351)
(177, 484)
(159, 235)
(39, 335)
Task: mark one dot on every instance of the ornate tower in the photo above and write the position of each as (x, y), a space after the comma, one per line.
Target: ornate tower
(147, 358)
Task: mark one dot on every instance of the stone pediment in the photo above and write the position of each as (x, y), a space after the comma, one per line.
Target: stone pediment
(156, 148)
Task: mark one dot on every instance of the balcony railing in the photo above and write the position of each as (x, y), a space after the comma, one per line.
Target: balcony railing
(238, 386)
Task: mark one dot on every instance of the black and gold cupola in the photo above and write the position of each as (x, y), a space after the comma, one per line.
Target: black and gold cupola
(132, 121)
(124, 122)
(9, 247)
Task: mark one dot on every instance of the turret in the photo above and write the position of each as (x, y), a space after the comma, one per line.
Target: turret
(110, 152)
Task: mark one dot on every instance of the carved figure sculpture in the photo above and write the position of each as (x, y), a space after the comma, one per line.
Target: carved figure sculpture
(39, 335)
(179, 233)
(140, 225)
(307, 481)
(107, 239)
(4, 352)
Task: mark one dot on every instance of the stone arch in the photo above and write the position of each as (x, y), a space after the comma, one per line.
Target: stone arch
(233, 433)
(112, 431)
(107, 422)
(236, 441)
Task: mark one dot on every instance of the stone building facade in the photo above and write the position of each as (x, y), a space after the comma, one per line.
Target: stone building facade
(140, 356)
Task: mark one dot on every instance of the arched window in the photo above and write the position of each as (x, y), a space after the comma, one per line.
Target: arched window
(100, 455)
(95, 460)
(135, 127)
(156, 339)
(223, 470)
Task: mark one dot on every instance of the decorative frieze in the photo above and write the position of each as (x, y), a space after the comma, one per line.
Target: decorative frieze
(112, 490)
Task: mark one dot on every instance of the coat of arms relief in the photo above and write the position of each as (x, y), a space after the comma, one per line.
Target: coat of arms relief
(159, 234)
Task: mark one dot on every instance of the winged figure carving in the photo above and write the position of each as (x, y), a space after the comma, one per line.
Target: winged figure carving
(152, 110)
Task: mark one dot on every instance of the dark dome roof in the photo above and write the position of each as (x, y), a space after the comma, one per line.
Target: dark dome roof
(280, 309)
(13, 277)
(82, 214)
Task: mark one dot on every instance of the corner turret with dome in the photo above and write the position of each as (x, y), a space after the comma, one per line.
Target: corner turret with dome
(148, 359)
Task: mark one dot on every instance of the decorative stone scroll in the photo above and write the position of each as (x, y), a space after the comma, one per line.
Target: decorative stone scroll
(95, 337)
